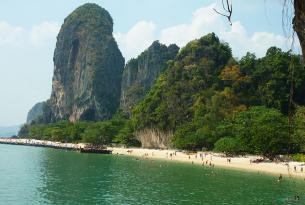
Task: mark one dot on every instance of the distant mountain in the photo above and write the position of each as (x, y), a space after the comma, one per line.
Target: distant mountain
(35, 112)
(9, 131)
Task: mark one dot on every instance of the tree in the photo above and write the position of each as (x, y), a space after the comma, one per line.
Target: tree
(299, 129)
(228, 145)
(100, 133)
(259, 130)
(298, 21)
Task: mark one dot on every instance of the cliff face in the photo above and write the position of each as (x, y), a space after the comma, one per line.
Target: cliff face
(140, 73)
(35, 112)
(299, 23)
(88, 68)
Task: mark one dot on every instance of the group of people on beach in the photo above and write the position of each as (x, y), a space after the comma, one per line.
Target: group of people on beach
(206, 162)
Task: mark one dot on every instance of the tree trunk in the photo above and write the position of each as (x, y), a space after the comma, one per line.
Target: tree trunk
(299, 23)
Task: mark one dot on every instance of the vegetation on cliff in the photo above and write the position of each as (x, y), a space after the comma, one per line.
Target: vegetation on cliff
(141, 73)
(201, 96)
(205, 87)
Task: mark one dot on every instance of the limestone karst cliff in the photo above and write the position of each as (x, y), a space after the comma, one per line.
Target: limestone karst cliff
(88, 68)
(140, 73)
(35, 112)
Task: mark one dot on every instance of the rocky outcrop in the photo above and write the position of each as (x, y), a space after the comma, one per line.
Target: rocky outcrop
(35, 113)
(154, 138)
(140, 73)
(88, 68)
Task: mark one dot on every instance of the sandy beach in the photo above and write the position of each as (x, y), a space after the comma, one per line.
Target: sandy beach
(217, 160)
(210, 159)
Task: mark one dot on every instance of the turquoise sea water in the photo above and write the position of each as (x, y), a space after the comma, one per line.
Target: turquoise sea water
(31, 175)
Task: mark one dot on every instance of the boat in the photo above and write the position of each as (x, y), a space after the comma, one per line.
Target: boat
(95, 149)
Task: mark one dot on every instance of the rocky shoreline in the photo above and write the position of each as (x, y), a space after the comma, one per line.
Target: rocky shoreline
(81, 147)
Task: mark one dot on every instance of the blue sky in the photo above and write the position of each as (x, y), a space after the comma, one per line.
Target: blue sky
(28, 31)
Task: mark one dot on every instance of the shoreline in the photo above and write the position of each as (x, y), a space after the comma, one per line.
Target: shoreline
(43, 143)
(207, 159)
(216, 160)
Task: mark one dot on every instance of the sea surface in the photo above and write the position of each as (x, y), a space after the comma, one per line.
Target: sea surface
(32, 175)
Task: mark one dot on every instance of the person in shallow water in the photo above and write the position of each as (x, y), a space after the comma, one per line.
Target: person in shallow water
(280, 178)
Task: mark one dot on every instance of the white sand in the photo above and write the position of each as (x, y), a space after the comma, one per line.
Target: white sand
(241, 163)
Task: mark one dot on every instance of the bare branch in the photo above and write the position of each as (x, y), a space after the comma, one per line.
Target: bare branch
(228, 8)
(220, 13)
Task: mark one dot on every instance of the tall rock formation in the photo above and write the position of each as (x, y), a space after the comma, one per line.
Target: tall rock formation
(140, 73)
(88, 68)
(35, 113)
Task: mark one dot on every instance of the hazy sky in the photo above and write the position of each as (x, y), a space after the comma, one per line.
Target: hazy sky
(28, 31)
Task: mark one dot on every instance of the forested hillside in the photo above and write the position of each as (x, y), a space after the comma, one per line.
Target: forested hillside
(209, 100)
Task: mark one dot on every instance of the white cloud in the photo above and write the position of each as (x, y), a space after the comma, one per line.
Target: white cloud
(139, 37)
(203, 21)
(10, 34)
(44, 32)
(241, 42)
(38, 35)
